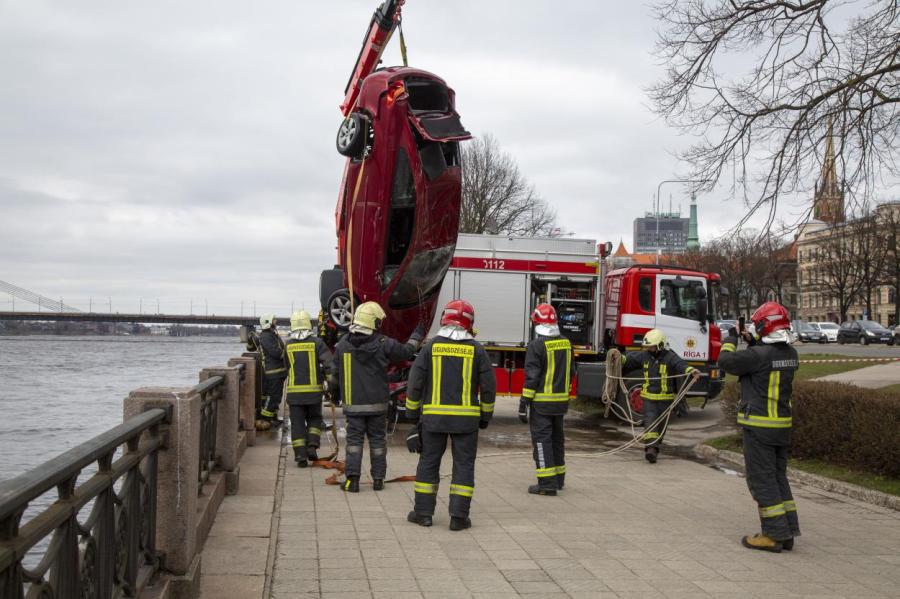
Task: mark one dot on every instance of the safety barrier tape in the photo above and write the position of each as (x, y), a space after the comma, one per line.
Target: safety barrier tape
(842, 360)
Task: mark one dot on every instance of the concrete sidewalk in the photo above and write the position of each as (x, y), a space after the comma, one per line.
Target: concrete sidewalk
(622, 528)
(870, 377)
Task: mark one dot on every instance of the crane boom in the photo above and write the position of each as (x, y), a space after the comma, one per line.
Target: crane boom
(384, 21)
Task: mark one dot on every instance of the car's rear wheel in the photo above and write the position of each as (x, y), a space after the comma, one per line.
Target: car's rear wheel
(840, 340)
(351, 136)
(340, 310)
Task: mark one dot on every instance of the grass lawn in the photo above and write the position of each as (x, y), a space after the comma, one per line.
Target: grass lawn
(894, 389)
(863, 479)
(812, 371)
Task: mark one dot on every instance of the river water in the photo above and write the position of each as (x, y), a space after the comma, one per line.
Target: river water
(58, 392)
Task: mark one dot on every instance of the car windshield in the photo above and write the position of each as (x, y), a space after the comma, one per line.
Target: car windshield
(807, 327)
(828, 326)
(871, 326)
(422, 278)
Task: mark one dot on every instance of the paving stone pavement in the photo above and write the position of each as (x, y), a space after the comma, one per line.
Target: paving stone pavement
(622, 528)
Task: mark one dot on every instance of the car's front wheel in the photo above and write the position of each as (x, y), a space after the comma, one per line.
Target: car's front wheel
(863, 340)
(340, 311)
(351, 136)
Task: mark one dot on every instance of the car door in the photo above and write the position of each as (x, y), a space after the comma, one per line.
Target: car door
(677, 315)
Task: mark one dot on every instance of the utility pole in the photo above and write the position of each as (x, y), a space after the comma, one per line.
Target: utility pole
(140, 305)
(242, 308)
(13, 298)
(192, 306)
(110, 303)
(206, 301)
(157, 305)
(254, 308)
(90, 305)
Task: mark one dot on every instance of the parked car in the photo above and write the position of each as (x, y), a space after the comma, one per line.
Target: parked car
(808, 332)
(897, 335)
(864, 332)
(724, 325)
(829, 330)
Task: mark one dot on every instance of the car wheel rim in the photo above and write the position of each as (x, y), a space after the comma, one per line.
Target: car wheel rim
(340, 311)
(346, 134)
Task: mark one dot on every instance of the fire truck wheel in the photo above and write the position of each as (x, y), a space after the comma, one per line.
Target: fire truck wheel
(351, 136)
(339, 309)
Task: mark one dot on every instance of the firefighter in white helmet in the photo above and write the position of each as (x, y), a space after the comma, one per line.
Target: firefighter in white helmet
(360, 383)
(309, 362)
(271, 352)
(548, 375)
(661, 369)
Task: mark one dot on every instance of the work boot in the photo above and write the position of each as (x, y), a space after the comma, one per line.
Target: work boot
(560, 481)
(420, 519)
(311, 455)
(378, 484)
(457, 523)
(788, 545)
(301, 463)
(762, 542)
(650, 454)
(538, 490)
(351, 484)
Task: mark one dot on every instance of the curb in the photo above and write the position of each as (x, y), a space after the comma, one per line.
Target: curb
(735, 461)
(843, 360)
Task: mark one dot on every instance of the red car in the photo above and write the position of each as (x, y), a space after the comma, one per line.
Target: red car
(397, 214)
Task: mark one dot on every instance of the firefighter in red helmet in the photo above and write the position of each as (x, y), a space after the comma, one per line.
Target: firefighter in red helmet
(766, 371)
(451, 389)
(548, 372)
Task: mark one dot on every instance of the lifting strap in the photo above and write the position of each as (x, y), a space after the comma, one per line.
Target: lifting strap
(402, 44)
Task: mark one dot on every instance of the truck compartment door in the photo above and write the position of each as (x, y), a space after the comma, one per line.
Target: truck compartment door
(501, 305)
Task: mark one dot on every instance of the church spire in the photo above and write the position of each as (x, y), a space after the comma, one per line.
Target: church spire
(828, 204)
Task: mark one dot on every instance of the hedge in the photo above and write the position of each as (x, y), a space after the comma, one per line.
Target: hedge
(841, 424)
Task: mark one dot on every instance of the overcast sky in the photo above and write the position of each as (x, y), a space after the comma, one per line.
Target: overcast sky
(185, 150)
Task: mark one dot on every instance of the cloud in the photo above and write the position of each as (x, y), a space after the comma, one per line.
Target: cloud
(186, 150)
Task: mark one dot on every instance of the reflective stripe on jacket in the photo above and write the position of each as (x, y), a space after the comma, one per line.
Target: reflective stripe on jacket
(548, 374)
(660, 373)
(309, 362)
(766, 374)
(452, 385)
(360, 371)
(271, 350)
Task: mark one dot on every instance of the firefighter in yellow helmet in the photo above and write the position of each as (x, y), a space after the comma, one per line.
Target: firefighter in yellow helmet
(360, 383)
(661, 369)
(271, 352)
(309, 362)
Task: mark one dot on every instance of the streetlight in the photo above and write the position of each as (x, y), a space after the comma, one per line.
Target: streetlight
(658, 190)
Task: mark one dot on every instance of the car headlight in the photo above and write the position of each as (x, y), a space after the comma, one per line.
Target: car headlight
(870, 333)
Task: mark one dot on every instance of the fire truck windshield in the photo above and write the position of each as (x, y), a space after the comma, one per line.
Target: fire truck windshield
(680, 298)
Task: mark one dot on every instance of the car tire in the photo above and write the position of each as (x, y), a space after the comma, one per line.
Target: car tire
(351, 136)
(863, 340)
(338, 309)
(840, 340)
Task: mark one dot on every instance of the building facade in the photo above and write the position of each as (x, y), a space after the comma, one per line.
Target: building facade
(673, 233)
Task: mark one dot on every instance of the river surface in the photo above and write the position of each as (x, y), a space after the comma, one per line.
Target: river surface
(58, 392)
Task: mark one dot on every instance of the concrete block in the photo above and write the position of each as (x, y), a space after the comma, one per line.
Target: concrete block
(228, 415)
(232, 481)
(176, 515)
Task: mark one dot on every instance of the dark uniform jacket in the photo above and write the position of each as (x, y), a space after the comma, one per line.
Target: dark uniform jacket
(360, 371)
(309, 363)
(659, 372)
(766, 374)
(548, 374)
(271, 349)
(452, 385)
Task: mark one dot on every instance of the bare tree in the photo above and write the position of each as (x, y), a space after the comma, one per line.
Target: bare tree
(890, 232)
(836, 274)
(810, 66)
(496, 198)
(869, 253)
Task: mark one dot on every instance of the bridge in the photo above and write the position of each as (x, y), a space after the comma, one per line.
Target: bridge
(133, 317)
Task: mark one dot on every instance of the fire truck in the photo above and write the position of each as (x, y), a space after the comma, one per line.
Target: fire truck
(504, 278)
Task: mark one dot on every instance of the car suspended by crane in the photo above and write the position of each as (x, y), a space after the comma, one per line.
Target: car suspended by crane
(398, 209)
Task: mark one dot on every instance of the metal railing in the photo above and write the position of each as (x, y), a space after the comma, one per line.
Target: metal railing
(210, 392)
(111, 552)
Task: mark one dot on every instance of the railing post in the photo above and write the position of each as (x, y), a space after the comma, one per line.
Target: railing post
(248, 397)
(176, 511)
(227, 450)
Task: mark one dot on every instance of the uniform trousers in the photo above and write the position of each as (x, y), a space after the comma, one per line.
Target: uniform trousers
(766, 468)
(306, 428)
(548, 442)
(463, 448)
(359, 427)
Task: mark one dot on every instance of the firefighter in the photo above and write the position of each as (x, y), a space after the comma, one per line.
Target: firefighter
(548, 371)
(451, 393)
(309, 363)
(360, 383)
(661, 368)
(271, 352)
(766, 370)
